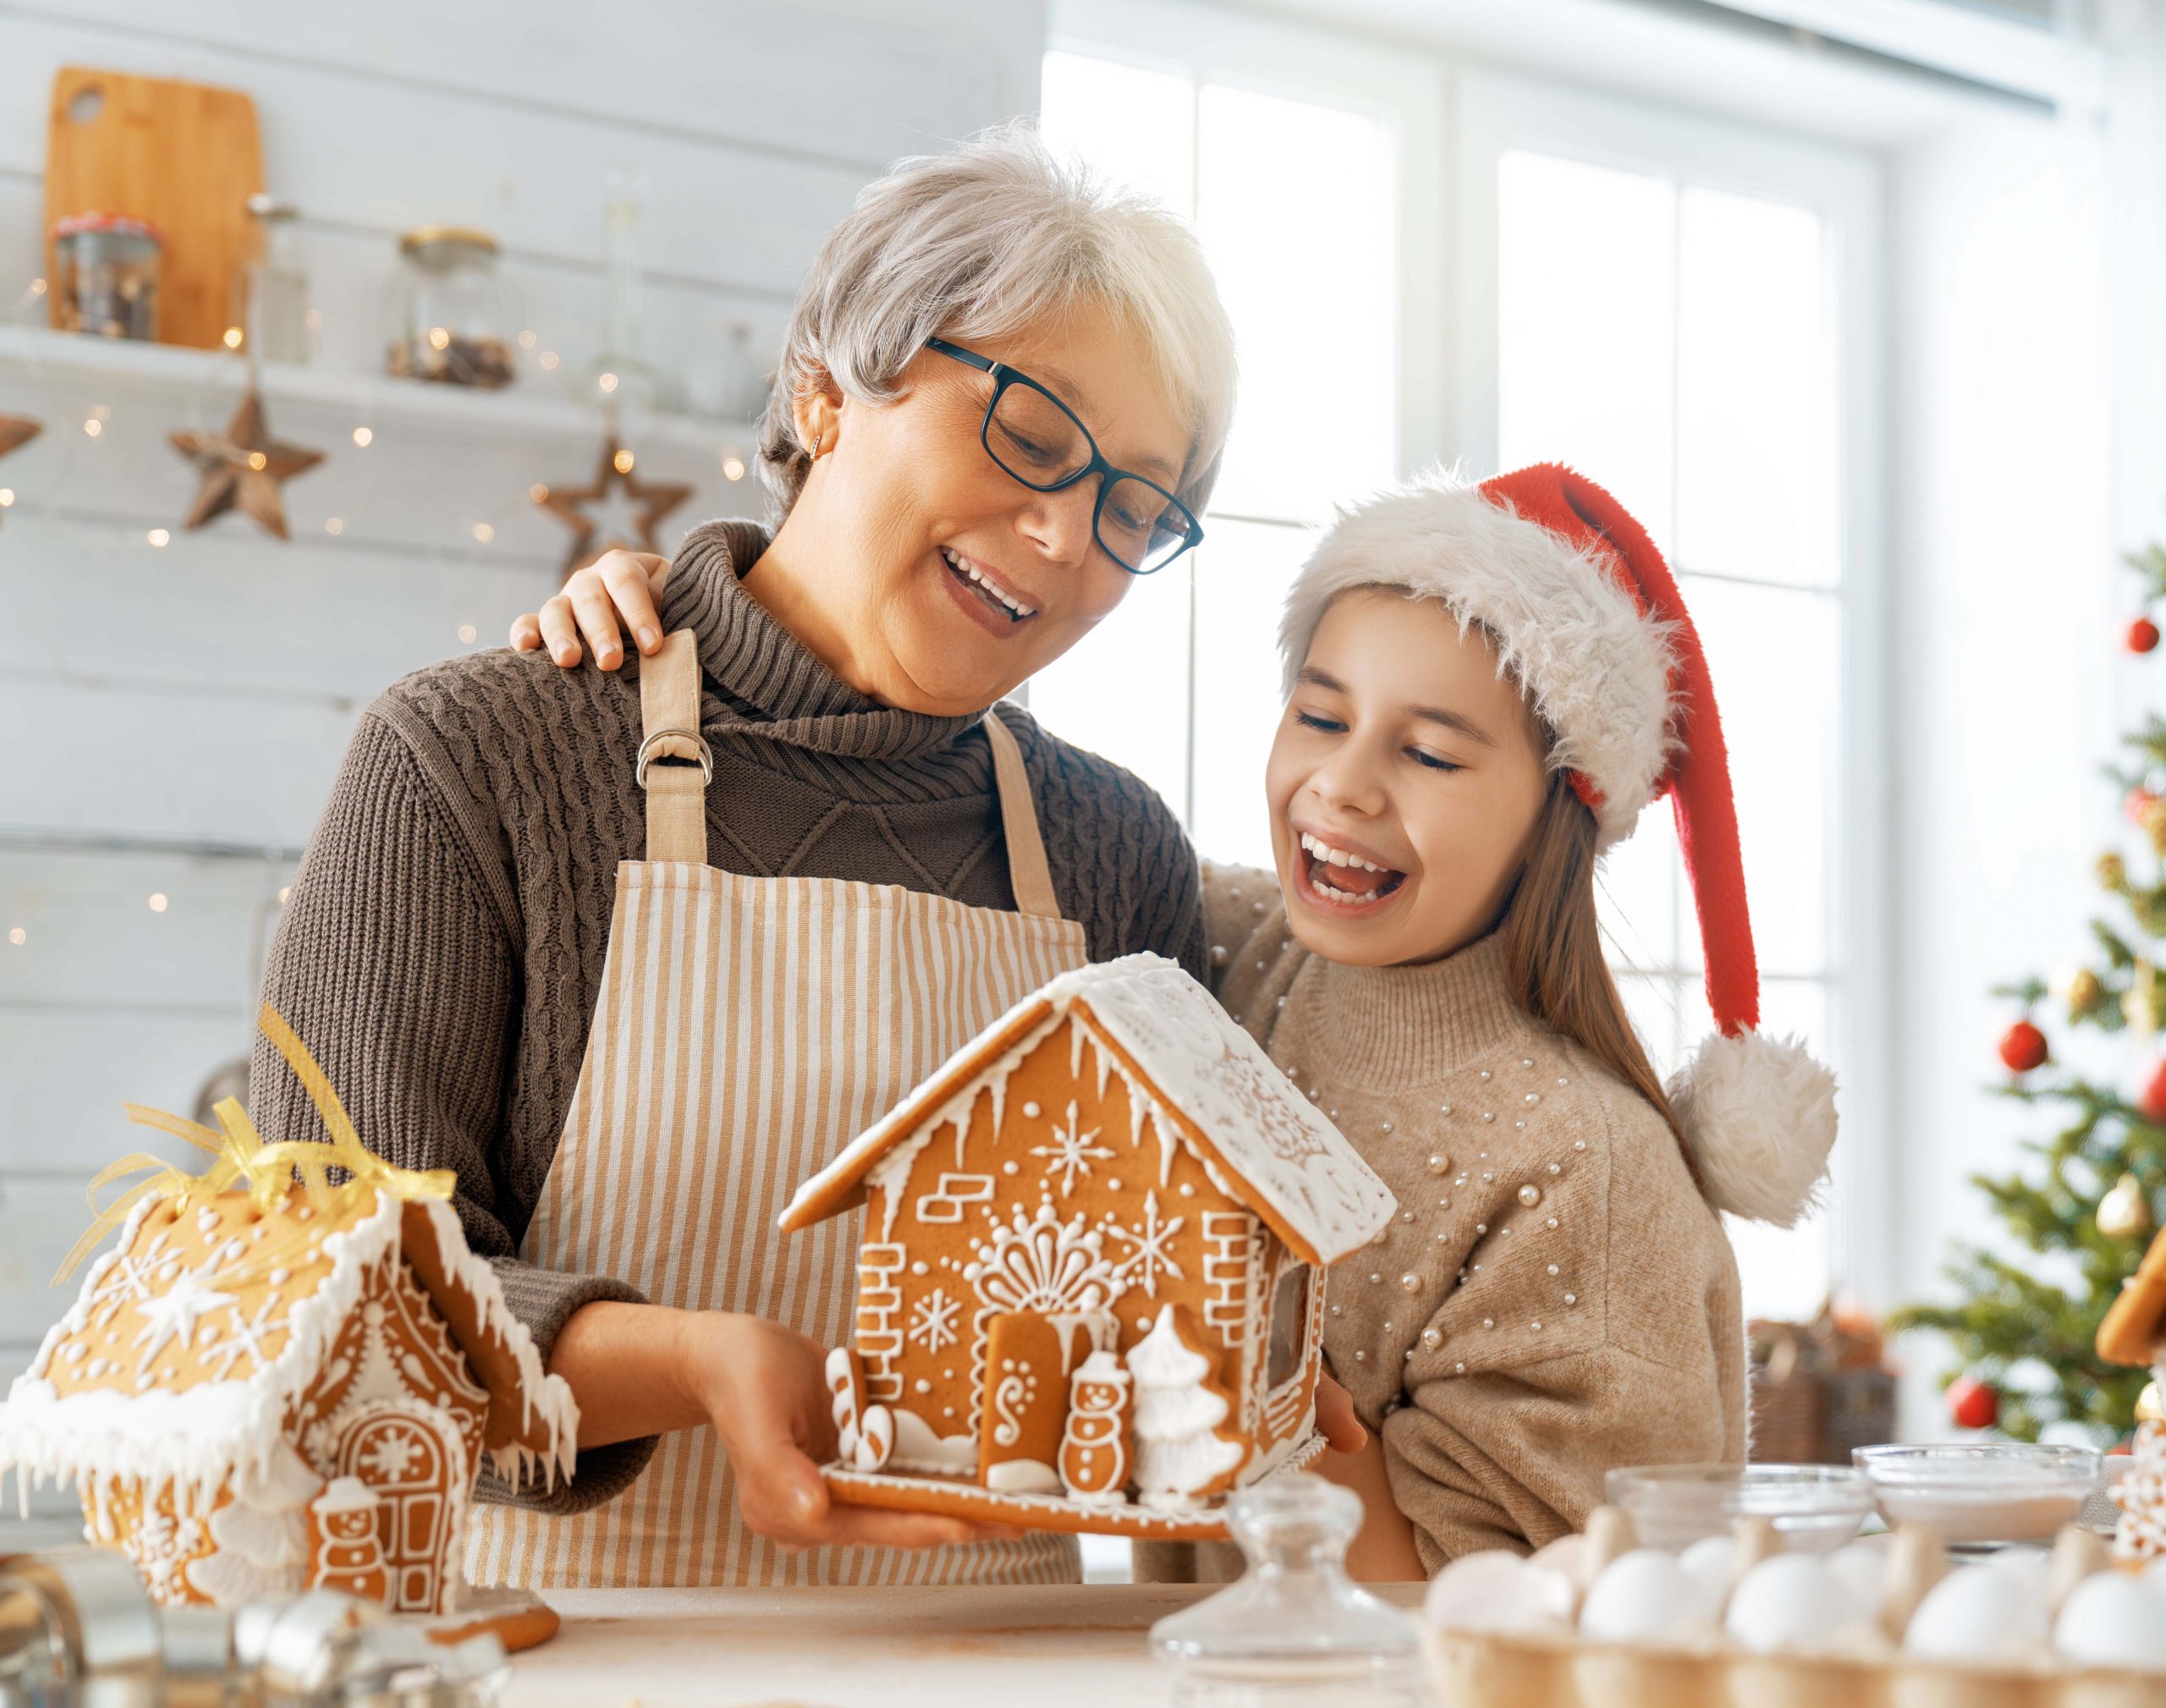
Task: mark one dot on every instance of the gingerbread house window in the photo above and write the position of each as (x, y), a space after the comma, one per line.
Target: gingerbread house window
(1289, 1329)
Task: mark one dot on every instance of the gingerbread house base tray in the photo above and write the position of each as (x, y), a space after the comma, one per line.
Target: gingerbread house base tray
(952, 1497)
(519, 1619)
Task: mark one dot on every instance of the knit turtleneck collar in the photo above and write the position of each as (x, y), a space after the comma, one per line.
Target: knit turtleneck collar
(774, 687)
(1393, 1027)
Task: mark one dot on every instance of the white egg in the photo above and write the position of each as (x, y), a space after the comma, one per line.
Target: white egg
(1795, 1602)
(1708, 1562)
(1978, 1613)
(1496, 1590)
(1567, 1557)
(1863, 1568)
(2031, 1567)
(1644, 1596)
(2154, 1575)
(2112, 1620)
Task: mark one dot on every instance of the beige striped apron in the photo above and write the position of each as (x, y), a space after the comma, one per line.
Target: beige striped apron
(747, 1029)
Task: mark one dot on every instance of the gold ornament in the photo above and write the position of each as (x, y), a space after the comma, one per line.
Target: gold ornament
(2125, 1213)
(2150, 1408)
(2144, 1006)
(2084, 993)
(2113, 872)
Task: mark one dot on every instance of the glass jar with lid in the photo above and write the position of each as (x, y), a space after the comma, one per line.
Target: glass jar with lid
(106, 275)
(454, 318)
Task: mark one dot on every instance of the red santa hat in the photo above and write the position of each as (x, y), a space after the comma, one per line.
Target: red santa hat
(1585, 614)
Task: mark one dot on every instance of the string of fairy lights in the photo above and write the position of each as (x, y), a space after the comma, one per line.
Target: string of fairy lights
(49, 471)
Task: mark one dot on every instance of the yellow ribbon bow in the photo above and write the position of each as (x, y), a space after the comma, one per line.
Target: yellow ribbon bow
(268, 1170)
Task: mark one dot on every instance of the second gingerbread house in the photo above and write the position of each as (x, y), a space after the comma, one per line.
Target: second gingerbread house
(1089, 1287)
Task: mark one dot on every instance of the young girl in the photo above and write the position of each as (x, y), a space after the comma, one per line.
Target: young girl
(1485, 686)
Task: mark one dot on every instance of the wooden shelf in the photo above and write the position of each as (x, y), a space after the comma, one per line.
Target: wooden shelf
(535, 409)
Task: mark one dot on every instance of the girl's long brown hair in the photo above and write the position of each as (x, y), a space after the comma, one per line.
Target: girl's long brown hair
(1552, 949)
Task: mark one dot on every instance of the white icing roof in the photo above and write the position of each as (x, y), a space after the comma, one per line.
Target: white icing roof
(1285, 1160)
(232, 1421)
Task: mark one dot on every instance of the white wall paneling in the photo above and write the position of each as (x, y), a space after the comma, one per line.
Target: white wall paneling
(172, 718)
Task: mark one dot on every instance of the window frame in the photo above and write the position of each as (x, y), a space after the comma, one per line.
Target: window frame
(1496, 112)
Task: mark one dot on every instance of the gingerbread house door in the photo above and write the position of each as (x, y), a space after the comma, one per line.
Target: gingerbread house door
(412, 1457)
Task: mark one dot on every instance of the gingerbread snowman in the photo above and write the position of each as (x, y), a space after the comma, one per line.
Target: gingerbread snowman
(348, 1553)
(1094, 1453)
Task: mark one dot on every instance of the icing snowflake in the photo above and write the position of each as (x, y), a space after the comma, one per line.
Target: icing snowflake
(1071, 1152)
(1043, 1264)
(126, 1280)
(393, 1455)
(173, 1315)
(245, 1337)
(1149, 1247)
(933, 1320)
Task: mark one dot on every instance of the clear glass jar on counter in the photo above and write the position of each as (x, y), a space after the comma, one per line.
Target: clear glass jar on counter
(106, 275)
(454, 318)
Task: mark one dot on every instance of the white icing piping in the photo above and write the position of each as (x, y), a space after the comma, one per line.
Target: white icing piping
(195, 1440)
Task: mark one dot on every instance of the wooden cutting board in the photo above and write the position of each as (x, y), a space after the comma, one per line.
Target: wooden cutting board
(184, 156)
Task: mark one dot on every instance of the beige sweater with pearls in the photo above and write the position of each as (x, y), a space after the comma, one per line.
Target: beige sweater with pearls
(1555, 1298)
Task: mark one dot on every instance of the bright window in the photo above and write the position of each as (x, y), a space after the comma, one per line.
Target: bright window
(1181, 684)
(1672, 330)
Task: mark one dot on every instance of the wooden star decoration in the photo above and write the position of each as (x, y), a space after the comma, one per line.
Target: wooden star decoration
(15, 432)
(592, 536)
(243, 469)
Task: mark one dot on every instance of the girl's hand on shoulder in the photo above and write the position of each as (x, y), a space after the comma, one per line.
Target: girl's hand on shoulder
(618, 588)
(764, 1388)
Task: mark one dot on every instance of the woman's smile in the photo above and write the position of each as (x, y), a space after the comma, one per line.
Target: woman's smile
(984, 594)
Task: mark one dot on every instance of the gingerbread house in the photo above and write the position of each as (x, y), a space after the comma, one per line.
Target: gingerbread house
(1089, 1287)
(272, 1385)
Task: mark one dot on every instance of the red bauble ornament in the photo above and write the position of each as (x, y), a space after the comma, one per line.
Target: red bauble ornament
(1971, 1404)
(2151, 1102)
(2136, 803)
(2022, 1047)
(2143, 635)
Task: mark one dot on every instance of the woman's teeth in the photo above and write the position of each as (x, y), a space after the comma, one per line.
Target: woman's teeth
(1016, 608)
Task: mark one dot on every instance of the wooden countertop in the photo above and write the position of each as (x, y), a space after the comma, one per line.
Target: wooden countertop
(1035, 1646)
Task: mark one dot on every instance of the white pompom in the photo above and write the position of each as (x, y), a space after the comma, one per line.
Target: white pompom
(1758, 1114)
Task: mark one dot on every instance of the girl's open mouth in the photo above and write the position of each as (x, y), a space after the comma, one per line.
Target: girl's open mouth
(1341, 881)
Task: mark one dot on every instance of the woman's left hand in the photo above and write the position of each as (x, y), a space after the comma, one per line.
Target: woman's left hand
(617, 587)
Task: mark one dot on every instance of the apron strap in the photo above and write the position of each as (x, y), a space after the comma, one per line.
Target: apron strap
(1028, 874)
(669, 728)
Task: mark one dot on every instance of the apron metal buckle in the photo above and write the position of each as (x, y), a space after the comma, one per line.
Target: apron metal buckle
(647, 753)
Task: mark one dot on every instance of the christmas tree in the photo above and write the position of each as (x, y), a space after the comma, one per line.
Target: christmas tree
(2086, 1197)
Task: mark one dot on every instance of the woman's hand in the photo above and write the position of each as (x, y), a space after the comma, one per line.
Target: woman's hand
(642, 1370)
(617, 587)
(764, 1389)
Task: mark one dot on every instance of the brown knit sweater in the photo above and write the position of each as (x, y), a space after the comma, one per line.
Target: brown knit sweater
(1555, 1298)
(444, 943)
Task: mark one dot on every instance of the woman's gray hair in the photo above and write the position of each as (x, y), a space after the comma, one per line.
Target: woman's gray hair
(983, 241)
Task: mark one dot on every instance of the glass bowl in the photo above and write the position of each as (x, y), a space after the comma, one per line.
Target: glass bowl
(1982, 1494)
(1816, 1508)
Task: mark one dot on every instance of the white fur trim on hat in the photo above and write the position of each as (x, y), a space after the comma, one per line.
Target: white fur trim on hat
(1597, 669)
(1758, 1114)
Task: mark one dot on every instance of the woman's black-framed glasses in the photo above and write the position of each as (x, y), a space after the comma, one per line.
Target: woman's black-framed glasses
(1038, 440)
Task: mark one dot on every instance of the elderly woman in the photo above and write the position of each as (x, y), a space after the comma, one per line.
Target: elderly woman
(634, 952)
